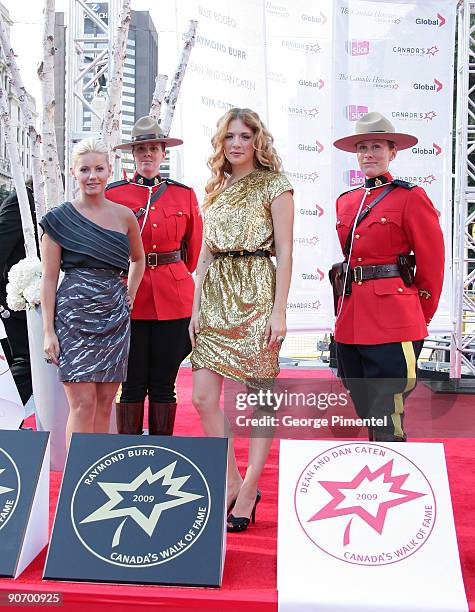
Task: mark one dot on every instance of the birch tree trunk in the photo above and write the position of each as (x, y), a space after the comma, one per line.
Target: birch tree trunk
(18, 178)
(158, 95)
(35, 138)
(51, 167)
(172, 95)
(112, 114)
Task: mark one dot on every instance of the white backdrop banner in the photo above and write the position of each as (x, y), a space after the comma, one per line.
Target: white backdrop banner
(311, 69)
(398, 58)
(226, 69)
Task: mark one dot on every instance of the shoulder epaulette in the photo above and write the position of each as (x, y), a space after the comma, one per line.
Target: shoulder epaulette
(176, 183)
(403, 184)
(117, 183)
(350, 190)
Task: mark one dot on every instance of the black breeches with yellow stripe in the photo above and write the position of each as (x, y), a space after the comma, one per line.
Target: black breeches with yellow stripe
(379, 378)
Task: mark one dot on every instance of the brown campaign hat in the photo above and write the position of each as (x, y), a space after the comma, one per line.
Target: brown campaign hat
(146, 129)
(374, 126)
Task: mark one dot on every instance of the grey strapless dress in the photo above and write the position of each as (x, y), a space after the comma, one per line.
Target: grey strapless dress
(92, 319)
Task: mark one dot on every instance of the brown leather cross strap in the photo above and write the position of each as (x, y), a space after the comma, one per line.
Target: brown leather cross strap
(363, 214)
(159, 259)
(363, 273)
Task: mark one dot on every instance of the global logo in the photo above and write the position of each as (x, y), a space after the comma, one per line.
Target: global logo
(318, 211)
(140, 506)
(9, 487)
(318, 275)
(321, 19)
(312, 148)
(439, 21)
(434, 150)
(357, 47)
(413, 115)
(354, 178)
(382, 512)
(320, 84)
(354, 112)
(435, 86)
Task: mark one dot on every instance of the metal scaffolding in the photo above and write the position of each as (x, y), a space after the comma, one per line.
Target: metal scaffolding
(462, 349)
(91, 30)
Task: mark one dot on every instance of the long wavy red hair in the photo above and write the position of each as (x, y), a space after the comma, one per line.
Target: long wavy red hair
(265, 155)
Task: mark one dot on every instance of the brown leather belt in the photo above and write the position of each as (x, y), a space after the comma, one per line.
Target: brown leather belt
(258, 253)
(364, 273)
(159, 259)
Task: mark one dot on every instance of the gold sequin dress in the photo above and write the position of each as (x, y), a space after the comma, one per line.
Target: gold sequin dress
(237, 295)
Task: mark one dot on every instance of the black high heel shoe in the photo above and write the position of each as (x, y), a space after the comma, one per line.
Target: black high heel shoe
(241, 523)
(233, 503)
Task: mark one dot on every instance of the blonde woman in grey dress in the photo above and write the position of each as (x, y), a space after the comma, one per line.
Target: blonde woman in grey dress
(238, 320)
(87, 320)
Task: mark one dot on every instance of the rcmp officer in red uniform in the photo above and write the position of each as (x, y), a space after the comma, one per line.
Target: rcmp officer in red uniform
(383, 308)
(171, 228)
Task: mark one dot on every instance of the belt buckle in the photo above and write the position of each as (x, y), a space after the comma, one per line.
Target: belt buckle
(152, 260)
(358, 274)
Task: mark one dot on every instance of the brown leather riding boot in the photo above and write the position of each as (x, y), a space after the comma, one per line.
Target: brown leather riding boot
(161, 418)
(129, 418)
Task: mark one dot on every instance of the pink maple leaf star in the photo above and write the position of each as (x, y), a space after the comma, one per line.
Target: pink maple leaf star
(377, 520)
(432, 50)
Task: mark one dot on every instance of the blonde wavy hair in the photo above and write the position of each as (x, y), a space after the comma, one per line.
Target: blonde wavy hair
(265, 155)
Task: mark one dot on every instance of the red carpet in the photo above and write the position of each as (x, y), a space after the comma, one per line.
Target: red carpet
(249, 582)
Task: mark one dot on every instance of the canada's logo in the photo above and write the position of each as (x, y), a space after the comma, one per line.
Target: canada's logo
(383, 513)
(140, 506)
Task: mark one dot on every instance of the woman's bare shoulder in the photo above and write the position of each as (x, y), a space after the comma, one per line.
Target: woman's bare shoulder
(123, 212)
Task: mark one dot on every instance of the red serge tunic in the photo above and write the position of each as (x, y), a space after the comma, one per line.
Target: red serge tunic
(384, 309)
(166, 291)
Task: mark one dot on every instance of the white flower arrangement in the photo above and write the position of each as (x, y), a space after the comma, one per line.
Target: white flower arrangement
(23, 288)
